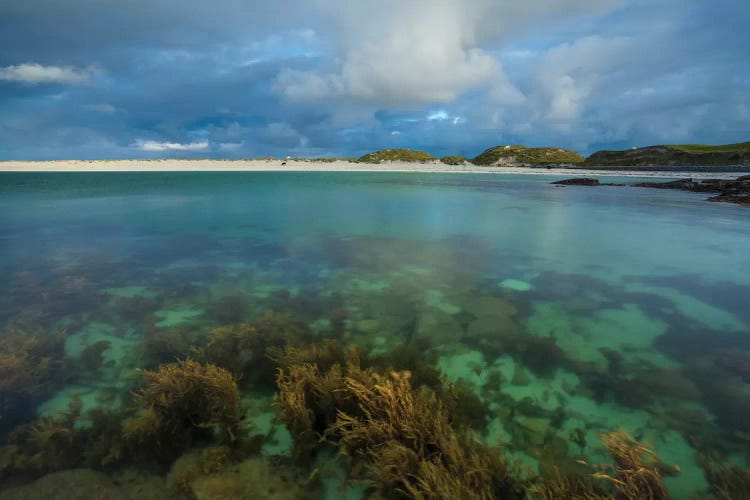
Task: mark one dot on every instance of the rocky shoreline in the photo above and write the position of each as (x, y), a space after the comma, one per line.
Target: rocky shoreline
(730, 191)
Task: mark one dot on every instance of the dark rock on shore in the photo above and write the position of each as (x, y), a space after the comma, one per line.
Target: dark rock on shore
(579, 181)
(730, 191)
(683, 184)
(584, 181)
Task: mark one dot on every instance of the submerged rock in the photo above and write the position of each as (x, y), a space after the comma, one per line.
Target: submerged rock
(67, 485)
(488, 305)
(439, 327)
(253, 478)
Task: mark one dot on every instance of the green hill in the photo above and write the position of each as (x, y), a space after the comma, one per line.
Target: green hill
(699, 155)
(521, 155)
(703, 148)
(396, 155)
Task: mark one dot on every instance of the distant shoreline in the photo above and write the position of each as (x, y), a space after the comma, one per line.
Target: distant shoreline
(175, 165)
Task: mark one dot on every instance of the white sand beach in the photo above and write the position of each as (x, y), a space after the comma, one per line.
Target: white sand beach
(182, 165)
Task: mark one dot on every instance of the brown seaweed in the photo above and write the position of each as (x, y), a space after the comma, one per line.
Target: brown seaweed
(183, 402)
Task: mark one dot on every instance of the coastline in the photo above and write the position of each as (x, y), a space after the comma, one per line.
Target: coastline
(177, 165)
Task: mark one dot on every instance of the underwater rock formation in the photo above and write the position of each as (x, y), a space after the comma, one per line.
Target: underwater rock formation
(70, 484)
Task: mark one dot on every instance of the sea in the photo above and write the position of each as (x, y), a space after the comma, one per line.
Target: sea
(568, 311)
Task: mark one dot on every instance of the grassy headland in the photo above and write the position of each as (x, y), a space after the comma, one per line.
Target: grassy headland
(396, 155)
(696, 155)
(521, 155)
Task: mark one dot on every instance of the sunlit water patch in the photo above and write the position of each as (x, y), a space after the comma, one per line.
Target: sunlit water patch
(539, 318)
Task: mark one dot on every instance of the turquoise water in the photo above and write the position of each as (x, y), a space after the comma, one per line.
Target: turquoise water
(562, 308)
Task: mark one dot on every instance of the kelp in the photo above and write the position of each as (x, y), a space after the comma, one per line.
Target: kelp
(309, 400)
(44, 445)
(403, 437)
(637, 471)
(558, 485)
(242, 348)
(229, 309)
(410, 448)
(164, 345)
(31, 368)
(324, 355)
(728, 480)
(183, 402)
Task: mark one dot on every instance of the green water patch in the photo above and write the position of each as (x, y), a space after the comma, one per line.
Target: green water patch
(174, 317)
(92, 397)
(515, 285)
(116, 346)
(261, 418)
(696, 310)
(627, 330)
(435, 298)
(674, 449)
(130, 291)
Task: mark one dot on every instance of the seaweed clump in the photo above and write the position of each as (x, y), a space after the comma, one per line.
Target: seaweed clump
(310, 399)
(242, 348)
(637, 473)
(44, 445)
(30, 367)
(411, 450)
(728, 480)
(182, 403)
(402, 438)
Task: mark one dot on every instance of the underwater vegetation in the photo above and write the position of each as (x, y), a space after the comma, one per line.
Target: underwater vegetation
(31, 363)
(637, 473)
(409, 448)
(44, 445)
(242, 348)
(399, 425)
(136, 309)
(182, 403)
(727, 479)
(229, 309)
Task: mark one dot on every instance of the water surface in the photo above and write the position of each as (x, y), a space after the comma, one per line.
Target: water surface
(562, 308)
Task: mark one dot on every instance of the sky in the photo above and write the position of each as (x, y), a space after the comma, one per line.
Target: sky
(105, 79)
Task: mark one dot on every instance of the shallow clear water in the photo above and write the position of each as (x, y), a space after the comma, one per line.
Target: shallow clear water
(642, 294)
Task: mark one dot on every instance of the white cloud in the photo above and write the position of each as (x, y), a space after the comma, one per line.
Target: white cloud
(571, 73)
(438, 115)
(414, 51)
(33, 73)
(169, 146)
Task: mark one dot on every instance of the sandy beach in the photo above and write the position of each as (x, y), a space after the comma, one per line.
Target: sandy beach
(177, 165)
